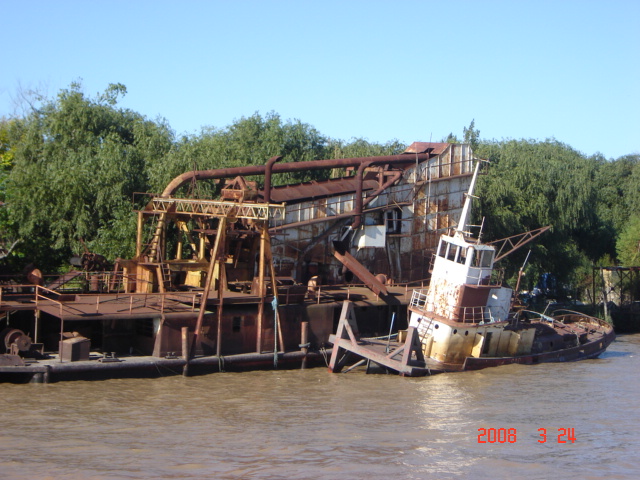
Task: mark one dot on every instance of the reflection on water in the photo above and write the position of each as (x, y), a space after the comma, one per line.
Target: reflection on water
(315, 425)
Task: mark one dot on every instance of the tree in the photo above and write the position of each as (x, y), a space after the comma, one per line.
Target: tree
(248, 141)
(471, 135)
(359, 147)
(532, 184)
(76, 168)
(628, 244)
(9, 131)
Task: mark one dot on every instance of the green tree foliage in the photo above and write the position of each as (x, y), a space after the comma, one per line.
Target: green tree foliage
(532, 184)
(471, 135)
(9, 137)
(618, 184)
(6, 145)
(359, 147)
(628, 244)
(248, 141)
(75, 170)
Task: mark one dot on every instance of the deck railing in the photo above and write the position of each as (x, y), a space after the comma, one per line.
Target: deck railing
(456, 313)
(41, 296)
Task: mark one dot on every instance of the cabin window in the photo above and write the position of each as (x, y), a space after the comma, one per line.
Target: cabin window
(477, 258)
(442, 249)
(487, 259)
(451, 252)
(483, 258)
(462, 257)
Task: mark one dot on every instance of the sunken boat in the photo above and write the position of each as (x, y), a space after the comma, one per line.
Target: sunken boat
(254, 278)
(466, 320)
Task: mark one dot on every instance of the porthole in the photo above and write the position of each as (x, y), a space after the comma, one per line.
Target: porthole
(455, 330)
(466, 333)
(436, 326)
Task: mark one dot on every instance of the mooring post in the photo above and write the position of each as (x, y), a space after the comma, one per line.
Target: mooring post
(185, 350)
(304, 343)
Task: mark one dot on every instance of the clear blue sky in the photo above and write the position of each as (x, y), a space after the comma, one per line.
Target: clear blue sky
(380, 70)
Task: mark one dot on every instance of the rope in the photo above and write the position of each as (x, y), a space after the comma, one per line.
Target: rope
(323, 351)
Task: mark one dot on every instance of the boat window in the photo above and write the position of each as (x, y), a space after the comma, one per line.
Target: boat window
(483, 258)
(487, 259)
(462, 258)
(477, 258)
(451, 253)
(442, 249)
(470, 256)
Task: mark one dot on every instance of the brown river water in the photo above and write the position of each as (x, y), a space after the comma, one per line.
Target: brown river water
(315, 425)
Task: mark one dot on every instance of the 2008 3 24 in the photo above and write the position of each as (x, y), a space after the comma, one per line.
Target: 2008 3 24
(510, 435)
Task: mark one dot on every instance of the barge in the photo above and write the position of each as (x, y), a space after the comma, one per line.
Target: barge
(254, 278)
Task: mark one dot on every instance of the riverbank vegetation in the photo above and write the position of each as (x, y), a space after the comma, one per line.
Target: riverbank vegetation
(74, 167)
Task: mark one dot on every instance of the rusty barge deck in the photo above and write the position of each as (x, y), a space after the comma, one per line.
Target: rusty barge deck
(171, 349)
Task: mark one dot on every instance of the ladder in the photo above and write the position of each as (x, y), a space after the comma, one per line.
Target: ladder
(164, 276)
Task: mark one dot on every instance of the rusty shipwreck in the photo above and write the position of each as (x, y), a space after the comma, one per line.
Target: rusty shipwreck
(254, 278)
(468, 320)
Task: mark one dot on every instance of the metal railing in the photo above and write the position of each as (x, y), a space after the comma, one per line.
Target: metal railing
(457, 313)
(42, 296)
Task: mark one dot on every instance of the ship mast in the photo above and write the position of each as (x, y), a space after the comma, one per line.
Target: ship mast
(461, 229)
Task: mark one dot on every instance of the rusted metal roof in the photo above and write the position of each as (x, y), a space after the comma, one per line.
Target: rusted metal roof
(313, 189)
(427, 147)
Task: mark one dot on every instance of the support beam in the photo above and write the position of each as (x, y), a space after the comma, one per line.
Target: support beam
(359, 270)
(197, 338)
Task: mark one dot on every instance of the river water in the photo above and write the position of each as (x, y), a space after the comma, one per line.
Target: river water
(315, 425)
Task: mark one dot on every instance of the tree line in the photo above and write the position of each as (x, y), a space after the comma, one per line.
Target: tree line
(74, 167)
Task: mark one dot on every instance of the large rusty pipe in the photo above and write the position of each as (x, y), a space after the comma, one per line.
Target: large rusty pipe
(267, 177)
(395, 176)
(357, 218)
(289, 167)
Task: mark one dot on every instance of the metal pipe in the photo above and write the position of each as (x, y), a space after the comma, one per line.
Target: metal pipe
(304, 342)
(267, 177)
(185, 350)
(357, 218)
(288, 167)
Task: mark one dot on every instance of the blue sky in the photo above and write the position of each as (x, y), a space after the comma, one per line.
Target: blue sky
(380, 70)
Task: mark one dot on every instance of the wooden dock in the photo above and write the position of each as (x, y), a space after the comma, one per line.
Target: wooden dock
(405, 358)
